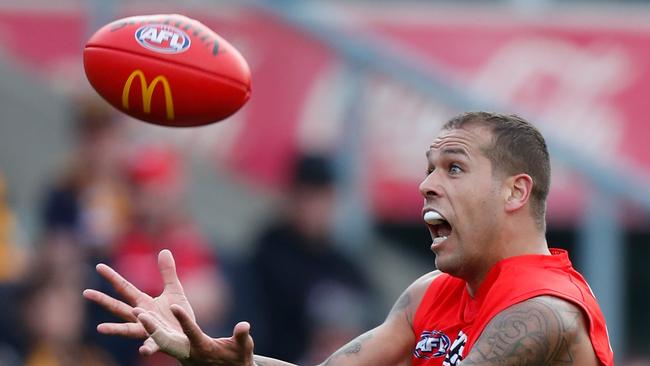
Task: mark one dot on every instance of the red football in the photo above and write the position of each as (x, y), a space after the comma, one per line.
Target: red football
(169, 70)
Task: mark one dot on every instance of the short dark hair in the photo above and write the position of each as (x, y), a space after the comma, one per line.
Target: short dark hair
(517, 147)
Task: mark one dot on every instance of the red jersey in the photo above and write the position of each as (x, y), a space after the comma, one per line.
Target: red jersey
(448, 321)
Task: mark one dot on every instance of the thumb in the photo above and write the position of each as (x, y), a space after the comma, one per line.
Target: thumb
(241, 334)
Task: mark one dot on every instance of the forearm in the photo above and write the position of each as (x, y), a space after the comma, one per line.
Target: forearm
(388, 344)
(350, 354)
(257, 361)
(266, 361)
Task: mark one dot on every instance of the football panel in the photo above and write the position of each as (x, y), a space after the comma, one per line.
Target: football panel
(162, 92)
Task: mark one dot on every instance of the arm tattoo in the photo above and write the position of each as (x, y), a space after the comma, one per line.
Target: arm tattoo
(539, 331)
(350, 349)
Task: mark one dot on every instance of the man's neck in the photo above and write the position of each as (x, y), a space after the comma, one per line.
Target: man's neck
(516, 248)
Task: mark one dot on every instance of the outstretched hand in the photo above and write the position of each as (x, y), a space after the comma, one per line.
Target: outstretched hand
(172, 294)
(167, 322)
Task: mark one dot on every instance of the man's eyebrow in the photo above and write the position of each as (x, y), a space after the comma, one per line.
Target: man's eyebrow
(455, 151)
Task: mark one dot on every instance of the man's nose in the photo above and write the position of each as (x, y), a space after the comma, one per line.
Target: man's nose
(429, 187)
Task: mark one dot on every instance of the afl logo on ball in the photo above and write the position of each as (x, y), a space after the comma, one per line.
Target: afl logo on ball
(162, 38)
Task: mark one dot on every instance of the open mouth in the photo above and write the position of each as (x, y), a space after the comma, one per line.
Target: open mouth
(440, 227)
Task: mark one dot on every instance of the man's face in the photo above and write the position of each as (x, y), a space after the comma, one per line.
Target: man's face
(460, 187)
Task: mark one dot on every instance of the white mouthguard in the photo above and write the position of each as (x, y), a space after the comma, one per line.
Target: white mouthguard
(432, 218)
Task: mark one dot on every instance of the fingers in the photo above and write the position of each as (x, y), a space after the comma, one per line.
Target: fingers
(167, 269)
(138, 311)
(173, 343)
(123, 287)
(149, 347)
(189, 325)
(118, 308)
(131, 330)
(149, 323)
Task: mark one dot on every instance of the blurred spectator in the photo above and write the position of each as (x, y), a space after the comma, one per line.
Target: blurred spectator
(301, 280)
(160, 220)
(637, 361)
(86, 208)
(13, 251)
(90, 200)
(14, 261)
(53, 311)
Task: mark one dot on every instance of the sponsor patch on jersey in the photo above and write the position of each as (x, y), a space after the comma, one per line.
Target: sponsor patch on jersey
(455, 354)
(432, 343)
(162, 38)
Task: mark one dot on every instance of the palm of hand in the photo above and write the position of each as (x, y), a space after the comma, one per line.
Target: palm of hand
(161, 306)
(160, 309)
(167, 322)
(193, 346)
(138, 302)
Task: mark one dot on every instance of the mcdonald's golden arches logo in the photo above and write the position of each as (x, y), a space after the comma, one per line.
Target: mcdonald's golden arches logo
(147, 92)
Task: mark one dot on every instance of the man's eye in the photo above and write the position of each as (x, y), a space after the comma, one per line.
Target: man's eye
(429, 171)
(455, 169)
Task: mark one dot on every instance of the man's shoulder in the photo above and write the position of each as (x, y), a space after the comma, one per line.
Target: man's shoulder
(423, 282)
(541, 330)
(417, 290)
(523, 277)
(442, 282)
(410, 299)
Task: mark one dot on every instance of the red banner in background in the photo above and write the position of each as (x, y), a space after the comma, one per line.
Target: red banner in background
(40, 40)
(584, 82)
(587, 82)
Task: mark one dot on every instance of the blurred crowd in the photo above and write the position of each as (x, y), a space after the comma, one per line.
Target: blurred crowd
(120, 203)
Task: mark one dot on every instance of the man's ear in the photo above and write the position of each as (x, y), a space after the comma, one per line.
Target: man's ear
(517, 191)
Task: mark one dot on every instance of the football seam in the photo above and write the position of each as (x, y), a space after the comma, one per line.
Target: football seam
(237, 83)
